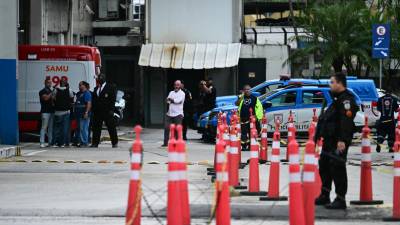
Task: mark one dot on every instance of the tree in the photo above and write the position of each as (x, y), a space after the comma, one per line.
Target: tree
(340, 32)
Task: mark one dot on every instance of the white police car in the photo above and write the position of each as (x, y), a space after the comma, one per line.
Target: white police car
(301, 101)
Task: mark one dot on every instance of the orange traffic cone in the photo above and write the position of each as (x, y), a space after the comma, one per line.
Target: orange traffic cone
(183, 187)
(234, 156)
(222, 210)
(366, 171)
(254, 176)
(264, 141)
(309, 182)
(396, 179)
(174, 201)
(239, 137)
(274, 171)
(296, 204)
(133, 211)
(291, 130)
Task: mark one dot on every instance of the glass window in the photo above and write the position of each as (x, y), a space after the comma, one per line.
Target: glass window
(285, 99)
(313, 97)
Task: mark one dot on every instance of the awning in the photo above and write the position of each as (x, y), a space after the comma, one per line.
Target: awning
(190, 56)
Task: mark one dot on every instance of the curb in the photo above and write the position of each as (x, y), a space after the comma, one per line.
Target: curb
(9, 151)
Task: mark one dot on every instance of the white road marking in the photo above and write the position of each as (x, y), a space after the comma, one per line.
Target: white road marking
(35, 152)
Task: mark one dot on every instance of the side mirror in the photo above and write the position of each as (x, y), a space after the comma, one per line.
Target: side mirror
(268, 104)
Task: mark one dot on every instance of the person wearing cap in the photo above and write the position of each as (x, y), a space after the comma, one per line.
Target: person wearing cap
(386, 125)
(245, 102)
(336, 127)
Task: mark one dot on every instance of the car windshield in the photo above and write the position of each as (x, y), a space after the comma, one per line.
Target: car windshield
(266, 95)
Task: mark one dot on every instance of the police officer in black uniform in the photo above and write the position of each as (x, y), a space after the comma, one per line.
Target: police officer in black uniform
(187, 111)
(336, 126)
(103, 106)
(386, 124)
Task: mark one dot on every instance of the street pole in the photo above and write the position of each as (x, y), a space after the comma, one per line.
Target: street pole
(380, 73)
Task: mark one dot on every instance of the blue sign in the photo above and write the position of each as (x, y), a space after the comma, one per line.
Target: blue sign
(380, 41)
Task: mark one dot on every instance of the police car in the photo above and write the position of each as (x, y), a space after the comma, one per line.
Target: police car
(265, 87)
(301, 101)
(364, 88)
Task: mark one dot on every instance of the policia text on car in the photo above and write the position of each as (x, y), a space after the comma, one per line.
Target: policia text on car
(336, 127)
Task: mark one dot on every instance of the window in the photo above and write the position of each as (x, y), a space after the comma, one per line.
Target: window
(267, 88)
(285, 99)
(313, 97)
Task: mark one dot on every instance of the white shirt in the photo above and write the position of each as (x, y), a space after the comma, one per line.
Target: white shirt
(176, 108)
(101, 88)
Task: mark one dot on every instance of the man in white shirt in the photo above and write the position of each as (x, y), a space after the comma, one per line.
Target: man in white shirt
(175, 101)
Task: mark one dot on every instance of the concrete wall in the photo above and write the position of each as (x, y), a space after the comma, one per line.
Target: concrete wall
(51, 21)
(194, 21)
(276, 56)
(8, 72)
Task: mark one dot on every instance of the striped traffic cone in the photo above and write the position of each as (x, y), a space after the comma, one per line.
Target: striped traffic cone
(211, 171)
(291, 130)
(183, 187)
(222, 210)
(396, 179)
(309, 183)
(239, 137)
(274, 171)
(175, 174)
(254, 176)
(366, 171)
(264, 141)
(296, 203)
(234, 156)
(133, 211)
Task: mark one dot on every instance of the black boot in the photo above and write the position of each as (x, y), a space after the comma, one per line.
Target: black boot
(337, 204)
(322, 200)
(378, 148)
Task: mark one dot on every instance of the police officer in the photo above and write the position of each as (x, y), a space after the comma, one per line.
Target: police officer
(245, 102)
(187, 111)
(336, 126)
(104, 97)
(386, 124)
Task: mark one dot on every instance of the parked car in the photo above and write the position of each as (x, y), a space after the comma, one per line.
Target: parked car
(279, 103)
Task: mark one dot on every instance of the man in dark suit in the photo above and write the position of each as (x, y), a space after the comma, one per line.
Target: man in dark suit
(104, 97)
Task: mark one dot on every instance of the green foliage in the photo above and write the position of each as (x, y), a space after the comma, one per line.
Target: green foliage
(340, 31)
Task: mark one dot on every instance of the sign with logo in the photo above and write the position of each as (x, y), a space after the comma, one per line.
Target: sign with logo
(380, 41)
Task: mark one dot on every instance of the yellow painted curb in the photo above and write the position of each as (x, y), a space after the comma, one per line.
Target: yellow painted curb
(20, 160)
(37, 160)
(6, 160)
(53, 161)
(69, 161)
(205, 163)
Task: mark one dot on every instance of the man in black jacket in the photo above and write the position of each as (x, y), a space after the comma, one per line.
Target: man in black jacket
(336, 126)
(104, 97)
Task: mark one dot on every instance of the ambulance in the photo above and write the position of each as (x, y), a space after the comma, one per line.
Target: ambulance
(37, 62)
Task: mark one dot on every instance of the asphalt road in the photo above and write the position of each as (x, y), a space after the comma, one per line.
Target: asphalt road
(90, 186)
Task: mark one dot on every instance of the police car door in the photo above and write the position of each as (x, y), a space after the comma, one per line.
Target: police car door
(280, 106)
(310, 100)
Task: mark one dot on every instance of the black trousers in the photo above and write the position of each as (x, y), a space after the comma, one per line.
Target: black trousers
(168, 121)
(98, 119)
(186, 122)
(332, 167)
(245, 134)
(386, 129)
